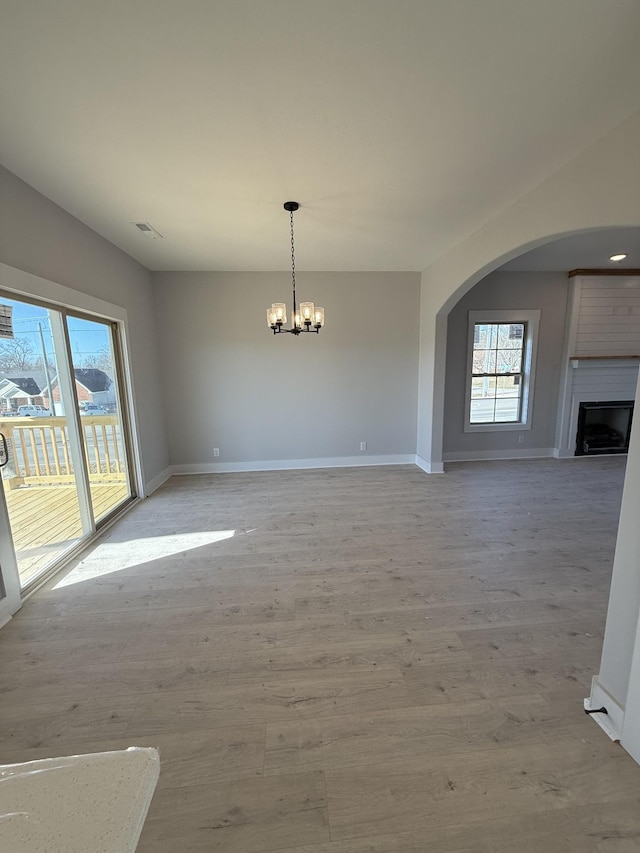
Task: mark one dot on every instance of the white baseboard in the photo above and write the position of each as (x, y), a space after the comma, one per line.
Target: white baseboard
(355, 461)
(563, 453)
(429, 467)
(291, 464)
(154, 484)
(612, 721)
(496, 455)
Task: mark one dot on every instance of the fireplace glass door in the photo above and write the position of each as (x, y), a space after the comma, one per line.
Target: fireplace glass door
(604, 427)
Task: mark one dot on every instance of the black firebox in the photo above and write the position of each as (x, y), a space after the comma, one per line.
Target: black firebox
(604, 427)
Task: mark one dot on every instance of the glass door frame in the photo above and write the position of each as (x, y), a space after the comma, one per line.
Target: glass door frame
(19, 285)
(117, 350)
(9, 578)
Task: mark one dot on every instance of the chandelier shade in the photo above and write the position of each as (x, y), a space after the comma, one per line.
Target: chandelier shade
(306, 317)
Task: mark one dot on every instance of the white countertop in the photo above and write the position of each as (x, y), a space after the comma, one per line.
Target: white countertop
(94, 803)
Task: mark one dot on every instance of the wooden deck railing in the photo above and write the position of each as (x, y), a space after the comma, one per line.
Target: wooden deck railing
(39, 450)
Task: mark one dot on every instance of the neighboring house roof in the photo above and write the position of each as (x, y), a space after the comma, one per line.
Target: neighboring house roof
(26, 384)
(92, 378)
(39, 376)
(8, 389)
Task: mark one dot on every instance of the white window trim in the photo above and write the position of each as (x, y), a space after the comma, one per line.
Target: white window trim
(532, 318)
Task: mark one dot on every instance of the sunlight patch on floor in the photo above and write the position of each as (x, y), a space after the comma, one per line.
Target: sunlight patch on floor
(110, 557)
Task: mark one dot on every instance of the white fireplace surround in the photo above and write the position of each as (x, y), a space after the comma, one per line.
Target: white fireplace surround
(587, 386)
(602, 345)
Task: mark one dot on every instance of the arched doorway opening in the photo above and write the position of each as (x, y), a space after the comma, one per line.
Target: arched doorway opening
(538, 281)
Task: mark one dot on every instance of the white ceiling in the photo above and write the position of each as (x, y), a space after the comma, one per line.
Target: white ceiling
(399, 125)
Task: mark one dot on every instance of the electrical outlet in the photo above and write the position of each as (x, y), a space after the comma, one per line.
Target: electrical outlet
(216, 451)
(363, 445)
(520, 439)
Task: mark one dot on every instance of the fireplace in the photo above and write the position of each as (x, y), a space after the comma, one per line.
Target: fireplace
(604, 427)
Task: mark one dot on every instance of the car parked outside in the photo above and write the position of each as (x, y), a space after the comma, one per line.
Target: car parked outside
(92, 409)
(34, 412)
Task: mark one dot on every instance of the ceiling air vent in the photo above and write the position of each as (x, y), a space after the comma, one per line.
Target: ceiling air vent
(148, 230)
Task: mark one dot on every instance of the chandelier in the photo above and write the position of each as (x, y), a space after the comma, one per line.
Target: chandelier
(307, 318)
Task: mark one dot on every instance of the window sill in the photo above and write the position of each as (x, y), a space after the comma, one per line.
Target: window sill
(510, 427)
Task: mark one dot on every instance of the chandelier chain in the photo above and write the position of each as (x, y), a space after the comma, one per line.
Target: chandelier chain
(293, 258)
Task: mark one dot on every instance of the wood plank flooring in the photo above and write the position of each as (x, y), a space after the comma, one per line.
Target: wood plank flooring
(45, 520)
(364, 660)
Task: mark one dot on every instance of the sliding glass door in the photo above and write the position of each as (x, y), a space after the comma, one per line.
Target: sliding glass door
(94, 362)
(61, 428)
(41, 487)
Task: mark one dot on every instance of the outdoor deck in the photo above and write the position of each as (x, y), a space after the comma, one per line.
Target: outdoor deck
(45, 520)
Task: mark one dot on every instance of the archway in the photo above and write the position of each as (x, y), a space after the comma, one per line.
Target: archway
(434, 383)
(531, 277)
(598, 189)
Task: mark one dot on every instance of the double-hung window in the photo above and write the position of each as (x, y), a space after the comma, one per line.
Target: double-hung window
(500, 370)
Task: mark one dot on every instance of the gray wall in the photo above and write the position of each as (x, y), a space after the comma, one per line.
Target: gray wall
(230, 383)
(41, 238)
(546, 291)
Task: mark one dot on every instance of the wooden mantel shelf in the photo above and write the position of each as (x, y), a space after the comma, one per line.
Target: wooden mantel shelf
(599, 357)
(603, 360)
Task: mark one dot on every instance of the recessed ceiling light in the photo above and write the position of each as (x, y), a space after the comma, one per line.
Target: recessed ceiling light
(619, 257)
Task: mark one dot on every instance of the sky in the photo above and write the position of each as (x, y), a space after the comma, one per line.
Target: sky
(86, 337)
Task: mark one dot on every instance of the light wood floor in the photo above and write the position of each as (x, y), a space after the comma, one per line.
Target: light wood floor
(45, 520)
(343, 661)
